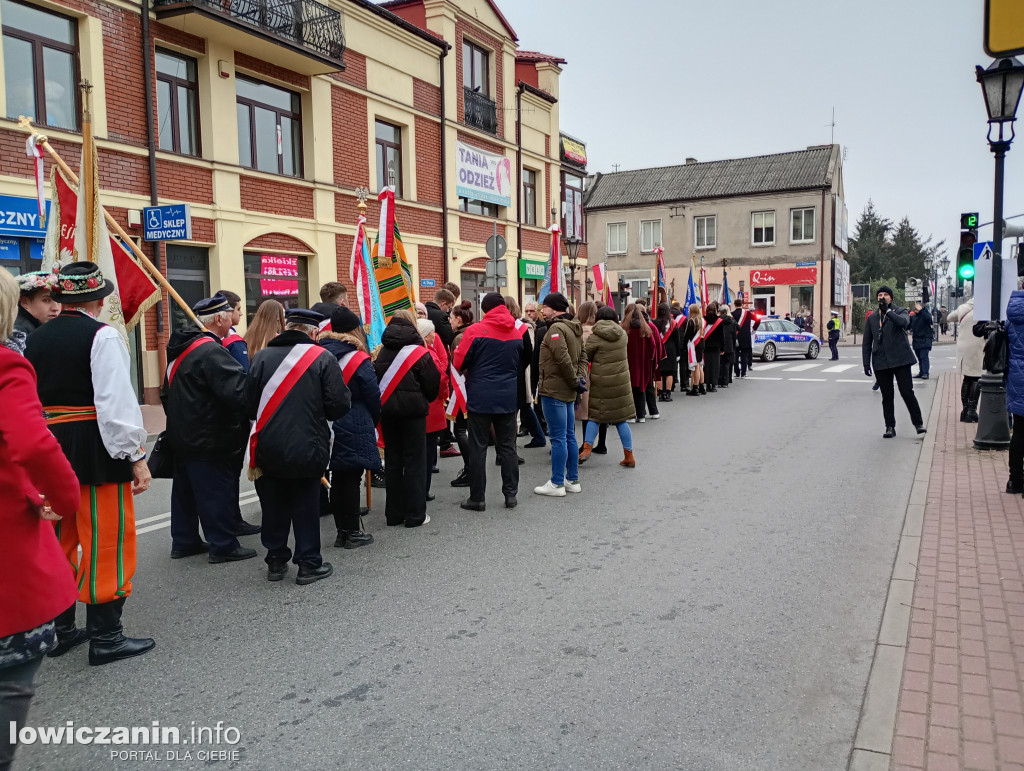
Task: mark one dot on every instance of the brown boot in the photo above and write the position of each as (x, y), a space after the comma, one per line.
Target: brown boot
(628, 461)
(585, 452)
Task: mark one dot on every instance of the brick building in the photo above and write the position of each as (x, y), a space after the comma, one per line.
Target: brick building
(267, 117)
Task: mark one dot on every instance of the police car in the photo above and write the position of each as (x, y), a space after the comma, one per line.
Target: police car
(779, 337)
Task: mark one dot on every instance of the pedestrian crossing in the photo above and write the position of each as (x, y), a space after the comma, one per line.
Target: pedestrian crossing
(847, 370)
(160, 521)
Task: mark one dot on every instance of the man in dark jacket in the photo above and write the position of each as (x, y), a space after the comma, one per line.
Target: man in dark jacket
(294, 388)
(922, 328)
(204, 398)
(540, 328)
(438, 312)
(489, 356)
(409, 382)
(746, 325)
(887, 351)
(714, 341)
(728, 346)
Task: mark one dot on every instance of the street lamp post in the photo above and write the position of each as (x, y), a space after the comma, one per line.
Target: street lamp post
(1001, 84)
(572, 249)
(944, 267)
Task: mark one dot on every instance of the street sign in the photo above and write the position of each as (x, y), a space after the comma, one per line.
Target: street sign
(496, 247)
(428, 282)
(983, 250)
(1004, 28)
(167, 223)
(808, 264)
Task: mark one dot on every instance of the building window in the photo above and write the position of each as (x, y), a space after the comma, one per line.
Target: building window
(269, 127)
(616, 241)
(389, 156)
(650, 235)
(705, 232)
(529, 197)
(280, 277)
(475, 62)
(762, 224)
(177, 101)
(803, 225)
(572, 214)
(40, 65)
(473, 206)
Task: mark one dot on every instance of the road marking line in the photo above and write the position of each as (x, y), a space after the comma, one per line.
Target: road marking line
(243, 500)
(803, 367)
(840, 368)
(809, 379)
(865, 380)
(151, 519)
(773, 365)
(751, 377)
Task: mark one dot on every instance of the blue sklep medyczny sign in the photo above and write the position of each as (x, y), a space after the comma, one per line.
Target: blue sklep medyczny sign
(167, 223)
(19, 217)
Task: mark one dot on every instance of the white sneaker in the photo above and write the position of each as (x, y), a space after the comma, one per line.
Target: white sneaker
(550, 488)
(573, 487)
(632, 420)
(641, 420)
(655, 416)
(426, 520)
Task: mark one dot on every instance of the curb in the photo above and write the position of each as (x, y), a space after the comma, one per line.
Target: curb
(872, 746)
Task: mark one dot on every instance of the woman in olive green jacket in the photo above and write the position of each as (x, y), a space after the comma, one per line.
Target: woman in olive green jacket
(611, 396)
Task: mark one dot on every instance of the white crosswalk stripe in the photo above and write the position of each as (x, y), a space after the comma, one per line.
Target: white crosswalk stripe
(840, 368)
(773, 365)
(803, 367)
(161, 521)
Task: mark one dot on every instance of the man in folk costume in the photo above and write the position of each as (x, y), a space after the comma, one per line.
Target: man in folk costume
(204, 397)
(85, 386)
(294, 389)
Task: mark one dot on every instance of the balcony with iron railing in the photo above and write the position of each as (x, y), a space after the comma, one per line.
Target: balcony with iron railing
(480, 112)
(302, 35)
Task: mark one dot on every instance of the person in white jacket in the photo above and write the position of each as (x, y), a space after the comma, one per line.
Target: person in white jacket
(970, 353)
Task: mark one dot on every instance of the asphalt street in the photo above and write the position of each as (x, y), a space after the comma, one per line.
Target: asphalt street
(714, 608)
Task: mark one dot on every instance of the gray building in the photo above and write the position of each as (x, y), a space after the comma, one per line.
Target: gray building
(774, 226)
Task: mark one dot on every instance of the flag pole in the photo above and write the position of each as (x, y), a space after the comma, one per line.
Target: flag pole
(41, 140)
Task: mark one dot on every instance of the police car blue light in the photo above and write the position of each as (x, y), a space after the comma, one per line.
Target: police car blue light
(778, 337)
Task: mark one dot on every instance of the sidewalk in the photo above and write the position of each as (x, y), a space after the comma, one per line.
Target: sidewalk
(961, 696)
(154, 419)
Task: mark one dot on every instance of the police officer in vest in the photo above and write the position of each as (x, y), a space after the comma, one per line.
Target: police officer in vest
(833, 335)
(204, 398)
(294, 390)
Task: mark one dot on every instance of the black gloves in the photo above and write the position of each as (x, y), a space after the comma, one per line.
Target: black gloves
(581, 386)
(883, 306)
(867, 371)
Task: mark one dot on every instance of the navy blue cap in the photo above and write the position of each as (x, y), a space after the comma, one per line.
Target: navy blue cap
(210, 305)
(303, 316)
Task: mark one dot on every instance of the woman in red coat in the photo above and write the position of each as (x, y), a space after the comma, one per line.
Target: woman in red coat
(36, 485)
(642, 352)
(436, 420)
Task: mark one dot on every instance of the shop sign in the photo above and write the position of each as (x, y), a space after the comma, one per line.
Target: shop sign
(279, 265)
(573, 151)
(171, 222)
(20, 217)
(784, 277)
(532, 269)
(482, 176)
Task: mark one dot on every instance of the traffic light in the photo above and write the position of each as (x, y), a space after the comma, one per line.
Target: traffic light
(968, 238)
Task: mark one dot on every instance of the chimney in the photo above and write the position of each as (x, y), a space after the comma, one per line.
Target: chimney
(691, 160)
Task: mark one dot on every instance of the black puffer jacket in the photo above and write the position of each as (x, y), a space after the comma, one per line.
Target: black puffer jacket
(205, 402)
(442, 324)
(729, 328)
(414, 393)
(714, 341)
(295, 443)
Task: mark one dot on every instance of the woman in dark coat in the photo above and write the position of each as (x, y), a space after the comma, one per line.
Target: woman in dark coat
(670, 342)
(714, 341)
(729, 329)
(611, 391)
(355, 440)
(461, 317)
(403, 422)
(642, 355)
(693, 331)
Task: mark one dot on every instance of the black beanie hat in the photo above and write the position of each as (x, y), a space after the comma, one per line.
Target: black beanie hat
(491, 301)
(343, 320)
(556, 301)
(887, 290)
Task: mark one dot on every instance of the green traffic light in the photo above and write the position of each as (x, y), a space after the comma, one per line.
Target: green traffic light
(966, 272)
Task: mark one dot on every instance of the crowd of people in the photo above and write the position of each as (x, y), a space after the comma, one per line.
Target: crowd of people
(311, 414)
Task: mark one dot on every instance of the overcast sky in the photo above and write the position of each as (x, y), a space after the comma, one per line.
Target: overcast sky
(650, 82)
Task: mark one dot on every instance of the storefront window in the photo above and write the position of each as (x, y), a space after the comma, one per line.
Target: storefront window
(278, 277)
(801, 297)
(764, 300)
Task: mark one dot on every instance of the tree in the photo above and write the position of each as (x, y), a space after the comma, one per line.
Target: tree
(909, 252)
(869, 247)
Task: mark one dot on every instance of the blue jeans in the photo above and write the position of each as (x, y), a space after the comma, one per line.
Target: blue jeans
(625, 435)
(565, 452)
(924, 365)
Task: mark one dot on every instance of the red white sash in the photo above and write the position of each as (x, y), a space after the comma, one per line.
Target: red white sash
(520, 324)
(399, 368)
(670, 328)
(743, 318)
(691, 356)
(459, 401)
(709, 329)
(350, 362)
(278, 387)
(172, 368)
(231, 339)
(680, 320)
(325, 326)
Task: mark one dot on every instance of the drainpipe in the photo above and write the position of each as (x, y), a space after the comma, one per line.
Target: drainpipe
(158, 252)
(519, 187)
(444, 171)
(821, 299)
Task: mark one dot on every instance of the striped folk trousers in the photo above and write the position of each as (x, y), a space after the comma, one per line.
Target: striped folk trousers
(104, 527)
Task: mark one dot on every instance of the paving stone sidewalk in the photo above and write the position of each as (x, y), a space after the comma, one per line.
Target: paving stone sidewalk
(961, 702)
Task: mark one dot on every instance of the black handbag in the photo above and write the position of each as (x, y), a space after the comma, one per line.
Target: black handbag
(161, 458)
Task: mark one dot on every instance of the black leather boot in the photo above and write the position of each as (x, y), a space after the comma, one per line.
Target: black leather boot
(107, 642)
(972, 403)
(68, 635)
(353, 539)
(965, 394)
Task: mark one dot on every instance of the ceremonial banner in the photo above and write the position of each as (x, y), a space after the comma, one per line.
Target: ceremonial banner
(726, 296)
(553, 270)
(361, 273)
(691, 289)
(394, 277)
